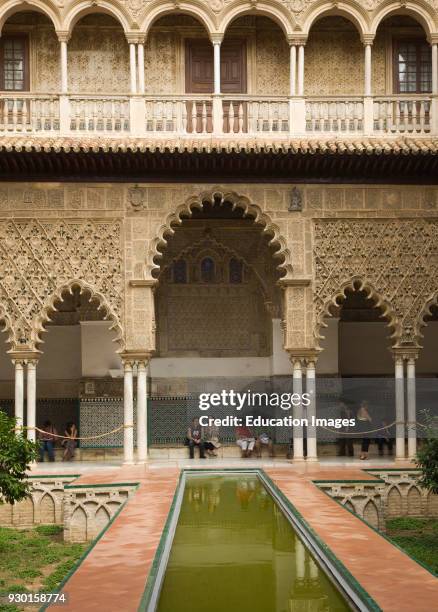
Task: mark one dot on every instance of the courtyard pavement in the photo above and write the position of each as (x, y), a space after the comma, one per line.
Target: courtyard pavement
(113, 575)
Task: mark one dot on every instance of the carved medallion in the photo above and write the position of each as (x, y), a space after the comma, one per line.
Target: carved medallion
(296, 200)
(136, 198)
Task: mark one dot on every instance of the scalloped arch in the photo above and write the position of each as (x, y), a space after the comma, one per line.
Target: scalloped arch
(49, 307)
(373, 294)
(199, 10)
(41, 6)
(81, 8)
(352, 11)
(238, 201)
(8, 329)
(274, 10)
(425, 311)
(419, 10)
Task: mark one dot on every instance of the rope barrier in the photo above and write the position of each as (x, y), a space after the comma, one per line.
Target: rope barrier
(359, 433)
(129, 426)
(108, 433)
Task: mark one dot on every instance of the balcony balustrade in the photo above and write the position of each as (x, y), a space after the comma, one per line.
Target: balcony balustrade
(241, 115)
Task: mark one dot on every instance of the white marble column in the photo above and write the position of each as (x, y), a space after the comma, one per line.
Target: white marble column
(132, 68)
(298, 411)
(31, 399)
(19, 391)
(142, 443)
(301, 70)
(411, 408)
(140, 61)
(128, 414)
(293, 70)
(399, 409)
(64, 66)
(434, 68)
(368, 70)
(217, 66)
(312, 453)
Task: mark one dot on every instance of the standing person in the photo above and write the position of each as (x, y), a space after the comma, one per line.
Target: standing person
(194, 436)
(47, 441)
(69, 443)
(385, 437)
(364, 424)
(345, 442)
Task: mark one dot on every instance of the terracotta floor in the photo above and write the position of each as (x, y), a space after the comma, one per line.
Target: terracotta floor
(113, 576)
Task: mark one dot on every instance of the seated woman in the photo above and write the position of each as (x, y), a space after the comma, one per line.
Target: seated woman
(245, 439)
(210, 436)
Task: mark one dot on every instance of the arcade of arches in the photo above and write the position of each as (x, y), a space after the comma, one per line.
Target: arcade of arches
(114, 296)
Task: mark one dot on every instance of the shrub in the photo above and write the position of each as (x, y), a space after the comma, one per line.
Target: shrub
(16, 455)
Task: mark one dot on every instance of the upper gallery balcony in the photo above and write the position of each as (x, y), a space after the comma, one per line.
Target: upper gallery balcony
(90, 75)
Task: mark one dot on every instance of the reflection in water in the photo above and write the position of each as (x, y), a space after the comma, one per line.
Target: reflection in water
(235, 551)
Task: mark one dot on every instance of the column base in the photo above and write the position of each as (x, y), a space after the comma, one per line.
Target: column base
(298, 459)
(128, 463)
(400, 459)
(312, 459)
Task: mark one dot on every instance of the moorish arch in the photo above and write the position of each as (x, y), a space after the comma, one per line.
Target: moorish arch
(6, 325)
(425, 313)
(174, 218)
(324, 310)
(59, 296)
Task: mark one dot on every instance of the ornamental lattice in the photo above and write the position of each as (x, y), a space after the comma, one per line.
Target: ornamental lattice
(40, 260)
(395, 261)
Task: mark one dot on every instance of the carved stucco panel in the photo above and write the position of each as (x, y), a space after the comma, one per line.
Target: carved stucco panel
(161, 65)
(39, 258)
(98, 60)
(395, 260)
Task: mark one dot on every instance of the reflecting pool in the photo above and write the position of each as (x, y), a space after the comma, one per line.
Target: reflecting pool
(234, 550)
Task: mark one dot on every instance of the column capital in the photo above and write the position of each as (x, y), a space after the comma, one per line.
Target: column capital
(63, 35)
(25, 357)
(367, 39)
(303, 354)
(297, 40)
(216, 38)
(135, 38)
(136, 357)
(405, 353)
(433, 39)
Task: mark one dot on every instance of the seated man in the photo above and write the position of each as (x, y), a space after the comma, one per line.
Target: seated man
(264, 440)
(245, 439)
(194, 437)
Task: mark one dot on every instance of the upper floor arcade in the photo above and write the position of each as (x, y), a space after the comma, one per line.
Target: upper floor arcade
(274, 69)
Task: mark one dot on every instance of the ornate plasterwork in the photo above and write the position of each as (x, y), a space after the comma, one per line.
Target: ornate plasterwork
(154, 252)
(41, 260)
(395, 261)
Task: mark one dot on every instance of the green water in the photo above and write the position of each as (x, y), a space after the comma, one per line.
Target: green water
(234, 551)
